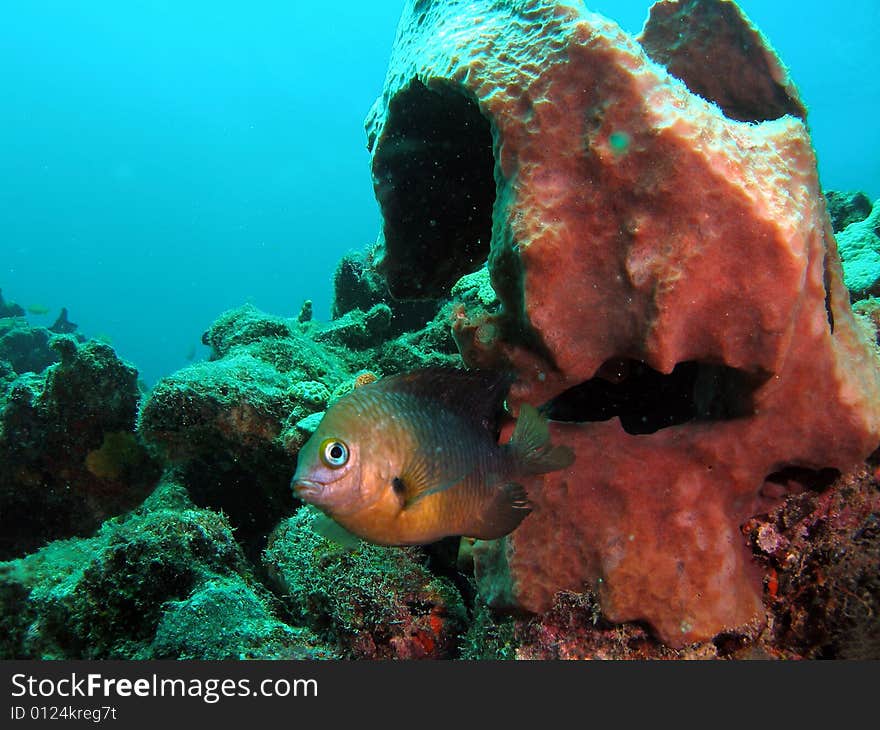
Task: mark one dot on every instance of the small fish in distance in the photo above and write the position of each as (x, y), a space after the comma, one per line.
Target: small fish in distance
(413, 458)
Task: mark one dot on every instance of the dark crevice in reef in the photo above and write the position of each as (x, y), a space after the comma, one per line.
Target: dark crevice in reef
(253, 506)
(826, 280)
(433, 174)
(646, 400)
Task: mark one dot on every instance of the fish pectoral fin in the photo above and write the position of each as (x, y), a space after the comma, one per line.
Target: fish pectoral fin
(331, 530)
(420, 479)
(509, 506)
(413, 495)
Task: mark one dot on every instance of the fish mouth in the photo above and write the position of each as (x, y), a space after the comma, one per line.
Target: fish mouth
(306, 489)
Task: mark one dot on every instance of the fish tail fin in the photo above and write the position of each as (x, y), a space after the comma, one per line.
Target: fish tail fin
(531, 445)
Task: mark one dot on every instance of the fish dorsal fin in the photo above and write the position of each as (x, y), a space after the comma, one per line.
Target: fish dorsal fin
(475, 395)
(421, 478)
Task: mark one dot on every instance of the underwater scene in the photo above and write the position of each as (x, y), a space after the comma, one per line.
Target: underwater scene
(440, 329)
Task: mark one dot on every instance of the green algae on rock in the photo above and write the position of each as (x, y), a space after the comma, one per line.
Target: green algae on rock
(372, 602)
(130, 592)
(228, 618)
(69, 454)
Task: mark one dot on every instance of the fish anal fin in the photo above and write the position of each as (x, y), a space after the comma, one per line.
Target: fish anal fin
(509, 506)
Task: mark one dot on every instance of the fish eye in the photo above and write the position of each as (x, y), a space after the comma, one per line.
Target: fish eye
(334, 453)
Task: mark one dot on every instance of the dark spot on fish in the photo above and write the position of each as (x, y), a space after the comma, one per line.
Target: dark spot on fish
(398, 486)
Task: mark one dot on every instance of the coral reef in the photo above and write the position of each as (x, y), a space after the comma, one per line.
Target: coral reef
(171, 579)
(859, 245)
(232, 425)
(23, 347)
(9, 309)
(660, 272)
(358, 330)
(194, 588)
(69, 455)
(226, 618)
(818, 552)
(142, 588)
(640, 239)
(845, 208)
(373, 602)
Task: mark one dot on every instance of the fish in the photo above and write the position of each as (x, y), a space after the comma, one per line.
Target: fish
(37, 309)
(410, 459)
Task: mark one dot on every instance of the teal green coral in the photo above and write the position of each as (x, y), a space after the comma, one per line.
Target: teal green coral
(53, 483)
(859, 247)
(282, 344)
(148, 585)
(237, 403)
(312, 393)
(476, 288)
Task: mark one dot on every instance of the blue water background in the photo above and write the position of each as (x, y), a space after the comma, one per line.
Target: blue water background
(163, 161)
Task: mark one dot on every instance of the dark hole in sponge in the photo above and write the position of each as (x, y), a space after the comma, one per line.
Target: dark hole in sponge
(646, 400)
(433, 174)
(795, 479)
